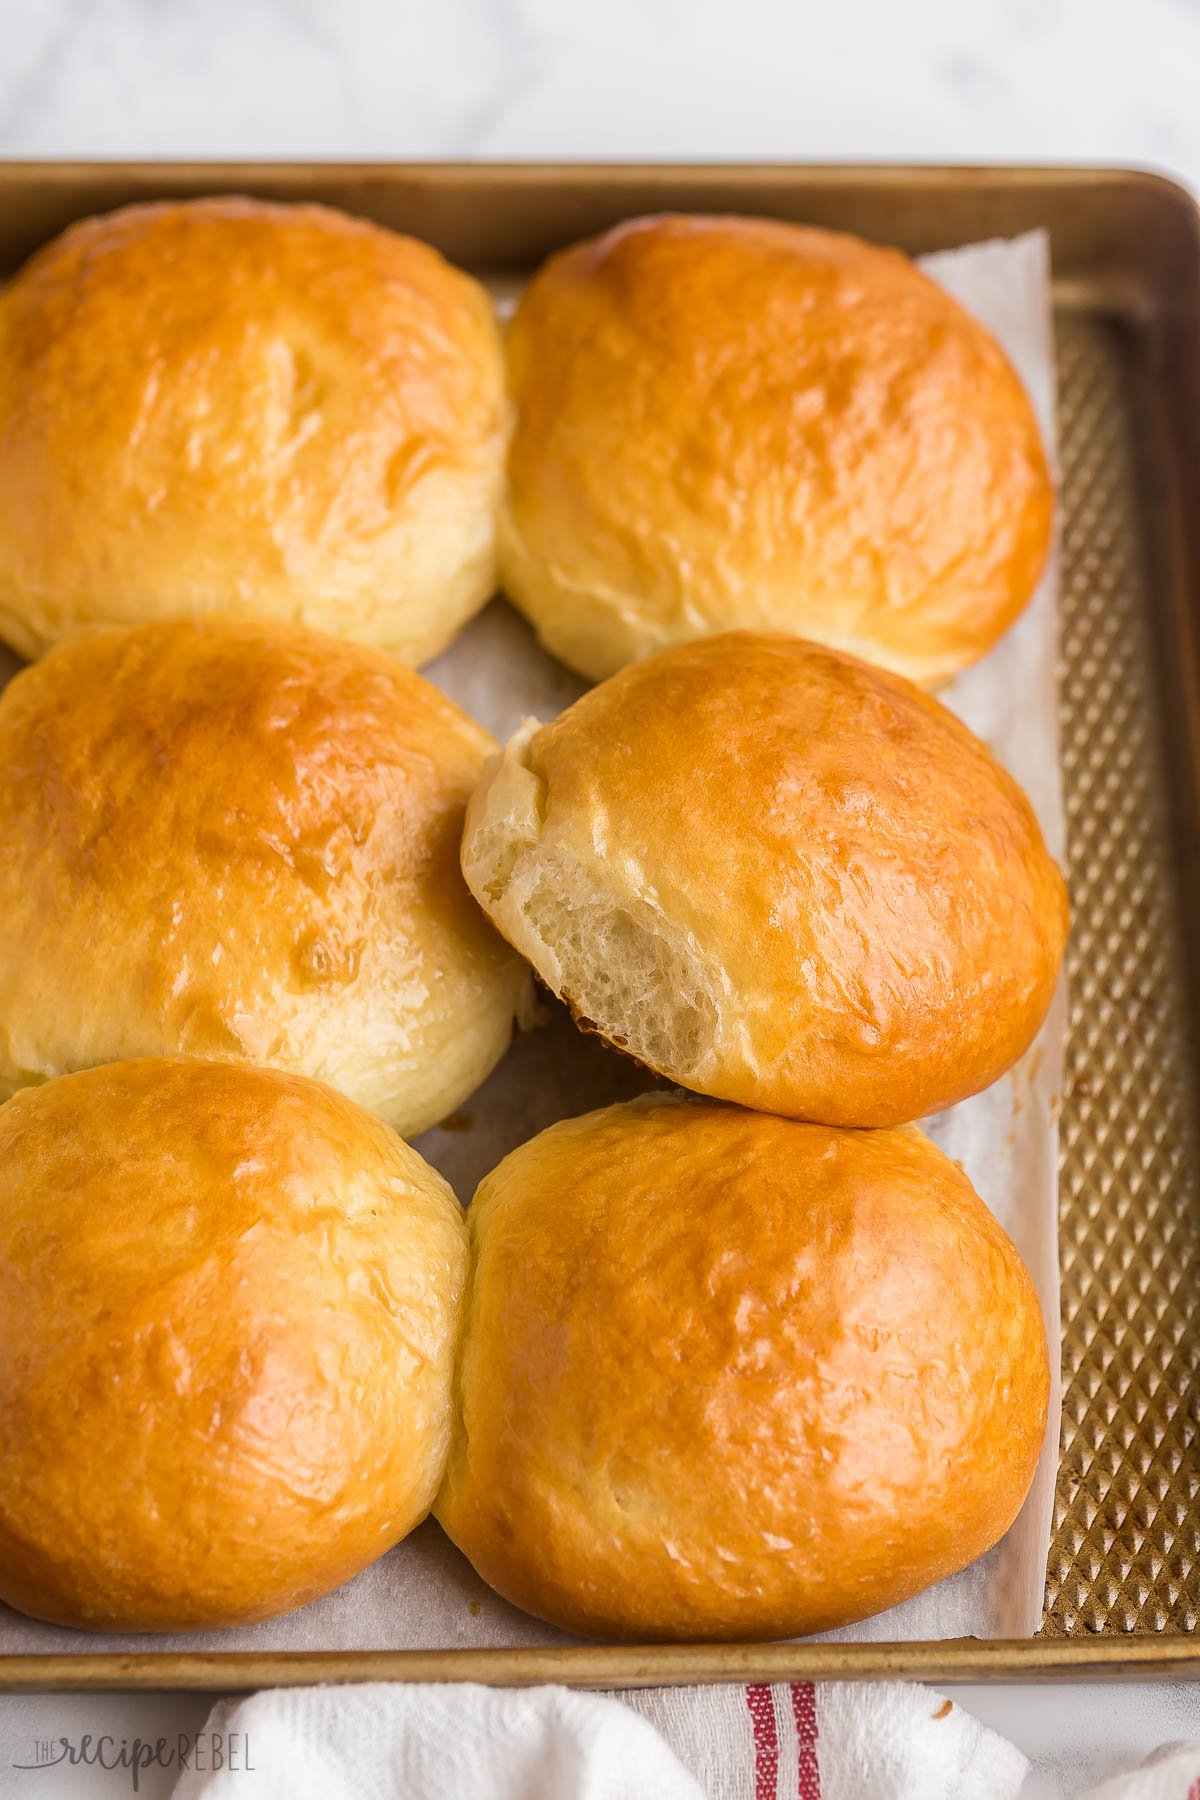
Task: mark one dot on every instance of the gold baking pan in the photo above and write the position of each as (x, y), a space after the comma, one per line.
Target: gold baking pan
(1123, 1584)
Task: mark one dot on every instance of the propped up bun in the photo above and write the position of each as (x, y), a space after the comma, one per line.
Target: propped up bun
(776, 876)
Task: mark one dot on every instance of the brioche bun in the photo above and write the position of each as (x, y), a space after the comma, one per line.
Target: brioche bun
(728, 423)
(776, 876)
(240, 841)
(730, 1376)
(229, 1308)
(270, 411)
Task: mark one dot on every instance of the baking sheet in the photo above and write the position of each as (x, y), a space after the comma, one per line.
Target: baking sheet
(424, 1595)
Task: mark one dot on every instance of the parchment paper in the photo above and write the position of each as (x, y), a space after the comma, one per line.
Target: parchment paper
(424, 1594)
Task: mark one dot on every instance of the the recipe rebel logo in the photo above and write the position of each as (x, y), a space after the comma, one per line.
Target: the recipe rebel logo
(208, 1752)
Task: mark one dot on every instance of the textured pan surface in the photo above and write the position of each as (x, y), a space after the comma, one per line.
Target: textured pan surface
(1126, 1549)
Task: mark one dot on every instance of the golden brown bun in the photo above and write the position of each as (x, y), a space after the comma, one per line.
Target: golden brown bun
(728, 422)
(229, 1308)
(240, 841)
(226, 406)
(777, 876)
(724, 1375)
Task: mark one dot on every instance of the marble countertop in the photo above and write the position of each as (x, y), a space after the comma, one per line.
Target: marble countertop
(1081, 80)
(1112, 81)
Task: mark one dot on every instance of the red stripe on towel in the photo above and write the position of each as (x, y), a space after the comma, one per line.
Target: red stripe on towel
(761, 1708)
(804, 1711)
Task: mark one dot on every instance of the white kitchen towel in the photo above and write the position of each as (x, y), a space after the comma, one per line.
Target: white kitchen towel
(379, 1742)
(1172, 1773)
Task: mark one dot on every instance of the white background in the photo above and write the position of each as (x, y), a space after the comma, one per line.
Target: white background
(1114, 81)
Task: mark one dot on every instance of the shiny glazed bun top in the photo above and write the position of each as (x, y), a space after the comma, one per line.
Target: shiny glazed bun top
(229, 406)
(229, 1302)
(777, 876)
(730, 422)
(240, 841)
(725, 1375)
